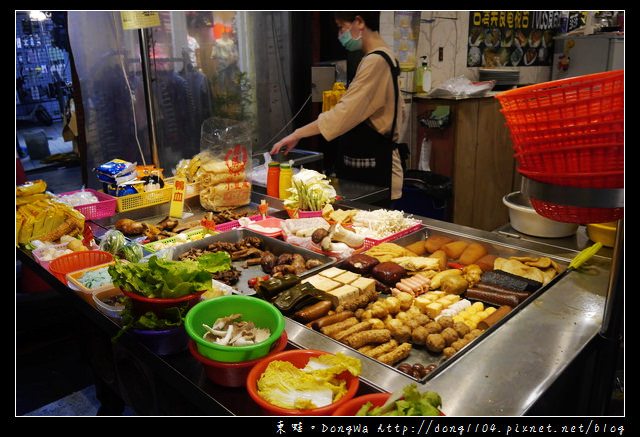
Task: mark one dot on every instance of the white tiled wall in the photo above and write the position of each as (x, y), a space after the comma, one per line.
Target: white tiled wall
(450, 30)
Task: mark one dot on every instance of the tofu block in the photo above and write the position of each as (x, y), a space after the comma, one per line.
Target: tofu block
(421, 302)
(433, 309)
(331, 272)
(364, 284)
(346, 277)
(345, 292)
(322, 283)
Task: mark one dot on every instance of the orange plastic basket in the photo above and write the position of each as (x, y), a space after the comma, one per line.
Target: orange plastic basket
(78, 261)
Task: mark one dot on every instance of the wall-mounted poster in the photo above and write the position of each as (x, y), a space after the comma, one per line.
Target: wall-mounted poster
(511, 38)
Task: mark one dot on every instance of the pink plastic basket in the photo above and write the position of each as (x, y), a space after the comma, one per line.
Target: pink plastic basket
(104, 207)
(224, 227)
(370, 242)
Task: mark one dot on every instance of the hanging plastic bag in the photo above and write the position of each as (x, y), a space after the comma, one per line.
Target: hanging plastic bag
(425, 155)
(225, 149)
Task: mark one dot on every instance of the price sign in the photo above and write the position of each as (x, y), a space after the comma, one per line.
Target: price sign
(139, 19)
(177, 198)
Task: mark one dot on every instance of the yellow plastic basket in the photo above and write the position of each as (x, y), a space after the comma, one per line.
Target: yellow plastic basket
(141, 200)
(192, 189)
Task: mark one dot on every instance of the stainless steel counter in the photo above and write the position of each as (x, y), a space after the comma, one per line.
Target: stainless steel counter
(503, 374)
(506, 372)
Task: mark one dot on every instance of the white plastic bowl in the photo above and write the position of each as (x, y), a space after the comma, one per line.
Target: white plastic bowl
(525, 219)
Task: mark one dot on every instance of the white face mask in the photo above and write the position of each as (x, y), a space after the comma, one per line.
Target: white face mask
(348, 42)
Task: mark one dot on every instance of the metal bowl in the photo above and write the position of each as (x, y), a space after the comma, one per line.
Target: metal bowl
(525, 219)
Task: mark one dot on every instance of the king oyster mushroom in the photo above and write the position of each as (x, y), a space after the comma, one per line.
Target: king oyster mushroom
(227, 331)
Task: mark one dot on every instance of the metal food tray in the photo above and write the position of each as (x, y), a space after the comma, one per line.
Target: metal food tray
(271, 244)
(420, 354)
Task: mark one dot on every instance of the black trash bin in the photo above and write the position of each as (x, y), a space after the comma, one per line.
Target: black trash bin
(426, 194)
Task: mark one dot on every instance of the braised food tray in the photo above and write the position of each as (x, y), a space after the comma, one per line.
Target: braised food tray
(247, 272)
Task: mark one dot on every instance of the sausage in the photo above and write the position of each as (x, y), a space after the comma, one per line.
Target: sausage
(334, 328)
(331, 319)
(494, 317)
(358, 327)
(375, 351)
(397, 354)
(492, 297)
(406, 288)
(359, 339)
(521, 295)
(415, 285)
(313, 312)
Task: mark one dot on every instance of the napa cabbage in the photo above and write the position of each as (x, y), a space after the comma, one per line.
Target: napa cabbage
(314, 386)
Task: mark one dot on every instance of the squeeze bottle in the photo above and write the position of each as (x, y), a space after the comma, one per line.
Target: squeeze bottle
(286, 173)
(273, 179)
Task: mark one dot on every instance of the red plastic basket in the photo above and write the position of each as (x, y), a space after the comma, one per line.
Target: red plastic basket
(565, 98)
(104, 207)
(570, 132)
(576, 214)
(592, 159)
(75, 261)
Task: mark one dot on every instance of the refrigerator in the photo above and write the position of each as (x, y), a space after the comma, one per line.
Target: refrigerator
(587, 54)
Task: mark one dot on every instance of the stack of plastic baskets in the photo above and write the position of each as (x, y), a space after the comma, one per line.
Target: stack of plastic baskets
(570, 132)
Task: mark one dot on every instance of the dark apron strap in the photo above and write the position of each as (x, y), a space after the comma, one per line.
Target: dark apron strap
(366, 155)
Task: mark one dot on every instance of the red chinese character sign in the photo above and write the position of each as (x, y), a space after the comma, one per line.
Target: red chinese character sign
(236, 159)
(511, 38)
(177, 198)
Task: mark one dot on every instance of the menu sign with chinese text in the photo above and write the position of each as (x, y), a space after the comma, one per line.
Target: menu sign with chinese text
(177, 197)
(511, 38)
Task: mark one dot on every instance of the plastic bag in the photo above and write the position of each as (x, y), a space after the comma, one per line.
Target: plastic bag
(259, 172)
(131, 251)
(461, 87)
(225, 151)
(78, 198)
(112, 241)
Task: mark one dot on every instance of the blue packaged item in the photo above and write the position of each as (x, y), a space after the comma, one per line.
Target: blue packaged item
(116, 168)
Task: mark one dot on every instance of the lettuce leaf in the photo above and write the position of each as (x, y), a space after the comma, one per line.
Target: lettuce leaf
(413, 403)
(162, 278)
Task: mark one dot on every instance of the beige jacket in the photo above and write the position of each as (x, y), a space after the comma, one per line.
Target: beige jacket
(370, 97)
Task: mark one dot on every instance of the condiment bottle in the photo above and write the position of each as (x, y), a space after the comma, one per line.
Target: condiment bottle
(286, 173)
(273, 179)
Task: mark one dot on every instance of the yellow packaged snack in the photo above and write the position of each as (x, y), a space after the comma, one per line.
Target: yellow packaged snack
(31, 187)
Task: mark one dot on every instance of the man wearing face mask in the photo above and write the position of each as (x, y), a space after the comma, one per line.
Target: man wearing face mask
(363, 125)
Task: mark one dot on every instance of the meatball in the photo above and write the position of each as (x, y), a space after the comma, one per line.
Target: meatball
(419, 335)
(448, 352)
(450, 335)
(433, 327)
(461, 328)
(401, 334)
(418, 320)
(446, 321)
(476, 332)
(435, 343)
